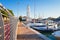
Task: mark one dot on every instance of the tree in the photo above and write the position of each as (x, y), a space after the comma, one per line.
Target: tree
(20, 18)
(11, 12)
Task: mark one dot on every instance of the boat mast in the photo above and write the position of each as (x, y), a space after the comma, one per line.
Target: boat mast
(34, 11)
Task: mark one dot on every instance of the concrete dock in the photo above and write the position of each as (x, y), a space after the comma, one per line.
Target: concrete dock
(24, 33)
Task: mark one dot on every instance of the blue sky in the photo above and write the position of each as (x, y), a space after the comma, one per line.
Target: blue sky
(43, 8)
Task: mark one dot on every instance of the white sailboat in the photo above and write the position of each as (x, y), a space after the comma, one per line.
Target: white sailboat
(42, 26)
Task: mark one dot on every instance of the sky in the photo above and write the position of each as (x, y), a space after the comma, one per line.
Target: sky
(43, 8)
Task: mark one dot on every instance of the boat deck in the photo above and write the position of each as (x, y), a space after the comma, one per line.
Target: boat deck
(23, 33)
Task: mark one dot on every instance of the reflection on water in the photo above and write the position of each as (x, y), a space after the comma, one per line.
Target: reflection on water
(48, 34)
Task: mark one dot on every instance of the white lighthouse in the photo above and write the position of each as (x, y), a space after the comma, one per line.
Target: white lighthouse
(28, 13)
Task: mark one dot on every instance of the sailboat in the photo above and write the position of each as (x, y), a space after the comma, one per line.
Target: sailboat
(42, 26)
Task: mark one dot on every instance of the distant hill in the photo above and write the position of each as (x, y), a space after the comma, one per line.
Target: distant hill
(51, 18)
(54, 19)
(57, 19)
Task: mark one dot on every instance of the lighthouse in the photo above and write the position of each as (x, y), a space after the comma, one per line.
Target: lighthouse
(28, 13)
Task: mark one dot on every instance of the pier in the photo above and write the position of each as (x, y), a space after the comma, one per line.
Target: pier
(25, 33)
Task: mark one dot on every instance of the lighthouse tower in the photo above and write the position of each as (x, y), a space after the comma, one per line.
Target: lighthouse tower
(28, 13)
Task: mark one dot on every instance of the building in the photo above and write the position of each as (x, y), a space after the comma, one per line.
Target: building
(8, 28)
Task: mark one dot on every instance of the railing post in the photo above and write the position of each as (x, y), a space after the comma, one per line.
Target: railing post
(13, 26)
(1, 27)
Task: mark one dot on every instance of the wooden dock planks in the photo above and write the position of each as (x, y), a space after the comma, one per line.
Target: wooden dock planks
(23, 33)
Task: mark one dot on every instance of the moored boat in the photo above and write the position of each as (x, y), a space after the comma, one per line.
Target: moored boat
(56, 34)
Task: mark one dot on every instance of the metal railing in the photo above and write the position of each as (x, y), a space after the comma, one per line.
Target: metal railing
(8, 31)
